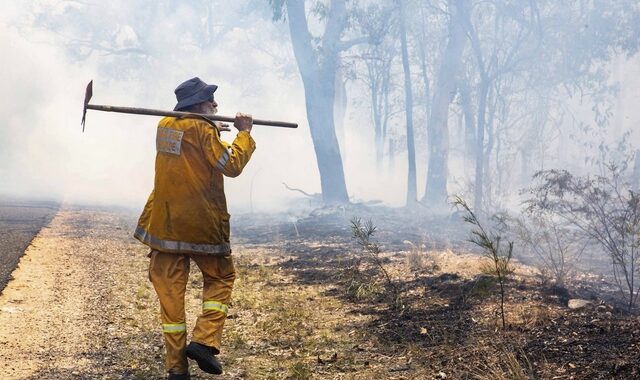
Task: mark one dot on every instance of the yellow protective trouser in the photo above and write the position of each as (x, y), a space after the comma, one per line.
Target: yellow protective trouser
(169, 273)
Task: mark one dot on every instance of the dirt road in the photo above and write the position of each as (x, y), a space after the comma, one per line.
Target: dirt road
(71, 311)
(81, 306)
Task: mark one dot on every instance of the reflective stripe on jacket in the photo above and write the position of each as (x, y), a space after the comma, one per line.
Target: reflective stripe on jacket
(187, 209)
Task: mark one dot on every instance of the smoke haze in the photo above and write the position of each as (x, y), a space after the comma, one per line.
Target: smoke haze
(51, 49)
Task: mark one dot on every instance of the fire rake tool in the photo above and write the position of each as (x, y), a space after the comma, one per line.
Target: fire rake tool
(147, 111)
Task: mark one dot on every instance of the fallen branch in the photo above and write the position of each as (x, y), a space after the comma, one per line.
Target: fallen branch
(298, 190)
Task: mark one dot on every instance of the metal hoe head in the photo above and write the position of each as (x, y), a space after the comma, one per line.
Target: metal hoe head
(87, 96)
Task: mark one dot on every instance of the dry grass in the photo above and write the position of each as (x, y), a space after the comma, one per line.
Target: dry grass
(280, 329)
(419, 259)
(506, 367)
(530, 315)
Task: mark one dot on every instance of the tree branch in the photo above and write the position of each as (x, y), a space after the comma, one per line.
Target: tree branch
(346, 45)
(298, 190)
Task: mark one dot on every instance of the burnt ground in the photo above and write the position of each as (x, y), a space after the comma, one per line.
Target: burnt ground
(308, 304)
(20, 221)
(448, 317)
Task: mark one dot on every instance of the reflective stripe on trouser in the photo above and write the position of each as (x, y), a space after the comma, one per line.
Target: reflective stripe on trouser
(214, 305)
(169, 273)
(174, 328)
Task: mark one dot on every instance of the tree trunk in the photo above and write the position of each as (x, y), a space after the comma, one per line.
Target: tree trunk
(423, 68)
(318, 71)
(340, 111)
(319, 105)
(376, 112)
(469, 126)
(378, 74)
(436, 196)
(386, 107)
(392, 156)
(482, 106)
(487, 178)
(412, 196)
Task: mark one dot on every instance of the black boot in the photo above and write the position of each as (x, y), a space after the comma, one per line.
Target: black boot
(205, 358)
(179, 376)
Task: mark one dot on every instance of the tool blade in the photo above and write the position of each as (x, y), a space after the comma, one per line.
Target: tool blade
(87, 96)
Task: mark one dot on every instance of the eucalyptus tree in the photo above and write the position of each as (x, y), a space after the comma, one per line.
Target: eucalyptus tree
(467, 106)
(377, 75)
(318, 58)
(436, 195)
(502, 37)
(412, 195)
(551, 50)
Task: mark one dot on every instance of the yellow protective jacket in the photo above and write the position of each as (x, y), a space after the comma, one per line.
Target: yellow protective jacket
(187, 209)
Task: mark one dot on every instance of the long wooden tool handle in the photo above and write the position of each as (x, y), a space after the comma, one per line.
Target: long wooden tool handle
(148, 111)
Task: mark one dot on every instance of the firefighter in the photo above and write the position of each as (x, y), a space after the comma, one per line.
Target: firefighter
(186, 218)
